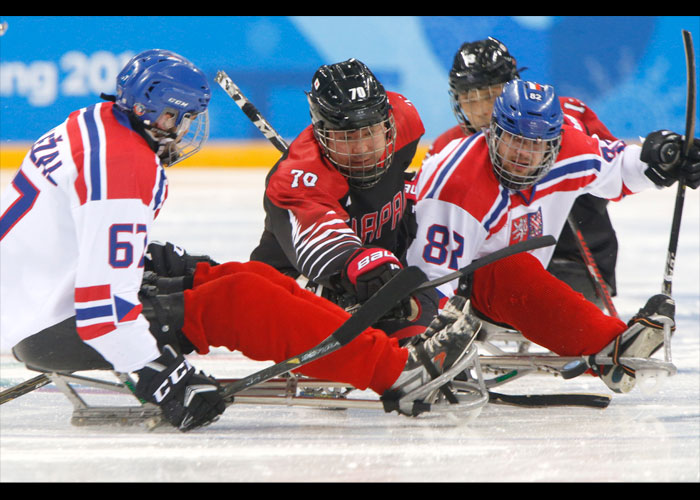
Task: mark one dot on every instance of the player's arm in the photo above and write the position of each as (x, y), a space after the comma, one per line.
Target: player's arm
(627, 169)
(310, 225)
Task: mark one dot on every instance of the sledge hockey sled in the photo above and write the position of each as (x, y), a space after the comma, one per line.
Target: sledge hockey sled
(290, 390)
(507, 355)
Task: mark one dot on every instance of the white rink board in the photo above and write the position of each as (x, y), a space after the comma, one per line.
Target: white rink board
(640, 438)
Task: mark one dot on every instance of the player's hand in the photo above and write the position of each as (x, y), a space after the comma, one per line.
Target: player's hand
(662, 151)
(189, 399)
(167, 259)
(367, 270)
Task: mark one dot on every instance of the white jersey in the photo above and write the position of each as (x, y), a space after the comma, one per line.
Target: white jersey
(463, 213)
(73, 232)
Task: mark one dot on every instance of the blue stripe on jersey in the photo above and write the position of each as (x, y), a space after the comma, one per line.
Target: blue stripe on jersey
(495, 215)
(451, 164)
(93, 312)
(572, 168)
(94, 139)
(121, 117)
(28, 194)
(158, 201)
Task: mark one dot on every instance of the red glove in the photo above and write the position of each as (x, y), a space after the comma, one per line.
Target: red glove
(367, 270)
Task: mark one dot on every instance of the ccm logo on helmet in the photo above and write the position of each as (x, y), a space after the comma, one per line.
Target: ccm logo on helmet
(178, 102)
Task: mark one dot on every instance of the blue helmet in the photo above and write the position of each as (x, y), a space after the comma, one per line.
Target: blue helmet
(169, 96)
(525, 134)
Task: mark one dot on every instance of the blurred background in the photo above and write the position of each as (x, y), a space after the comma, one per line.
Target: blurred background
(629, 69)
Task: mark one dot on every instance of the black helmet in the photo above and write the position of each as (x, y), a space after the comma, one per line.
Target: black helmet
(346, 97)
(479, 65)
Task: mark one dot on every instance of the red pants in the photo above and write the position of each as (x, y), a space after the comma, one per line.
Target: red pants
(519, 292)
(252, 308)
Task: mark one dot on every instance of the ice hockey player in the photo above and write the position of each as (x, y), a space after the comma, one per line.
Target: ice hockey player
(478, 73)
(74, 228)
(337, 213)
(518, 179)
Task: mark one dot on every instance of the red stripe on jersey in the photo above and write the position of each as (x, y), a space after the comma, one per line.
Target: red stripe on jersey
(89, 293)
(625, 192)
(94, 331)
(130, 164)
(565, 185)
(499, 224)
(473, 185)
(78, 152)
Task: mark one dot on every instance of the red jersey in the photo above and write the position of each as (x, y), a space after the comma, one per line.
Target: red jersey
(315, 220)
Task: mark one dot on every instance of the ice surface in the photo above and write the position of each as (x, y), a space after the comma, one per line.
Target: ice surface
(639, 437)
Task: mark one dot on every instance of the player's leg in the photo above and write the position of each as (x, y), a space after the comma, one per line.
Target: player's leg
(272, 318)
(519, 292)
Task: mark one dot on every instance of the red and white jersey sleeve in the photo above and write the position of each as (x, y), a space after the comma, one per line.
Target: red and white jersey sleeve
(463, 213)
(75, 224)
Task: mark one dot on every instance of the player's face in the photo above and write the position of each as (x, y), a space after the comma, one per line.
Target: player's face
(358, 148)
(520, 156)
(166, 121)
(477, 104)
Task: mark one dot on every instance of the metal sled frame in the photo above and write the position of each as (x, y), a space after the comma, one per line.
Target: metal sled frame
(509, 357)
(290, 390)
(87, 414)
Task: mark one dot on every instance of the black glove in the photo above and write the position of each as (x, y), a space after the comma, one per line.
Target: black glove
(189, 399)
(170, 260)
(367, 270)
(662, 151)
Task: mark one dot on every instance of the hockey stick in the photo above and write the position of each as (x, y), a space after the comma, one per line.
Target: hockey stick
(301, 391)
(23, 388)
(410, 280)
(542, 400)
(250, 111)
(689, 131)
(593, 270)
(268, 131)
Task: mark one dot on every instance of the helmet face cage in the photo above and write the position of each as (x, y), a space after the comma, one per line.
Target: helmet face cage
(361, 155)
(169, 96)
(184, 140)
(519, 162)
(472, 108)
(525, 134)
